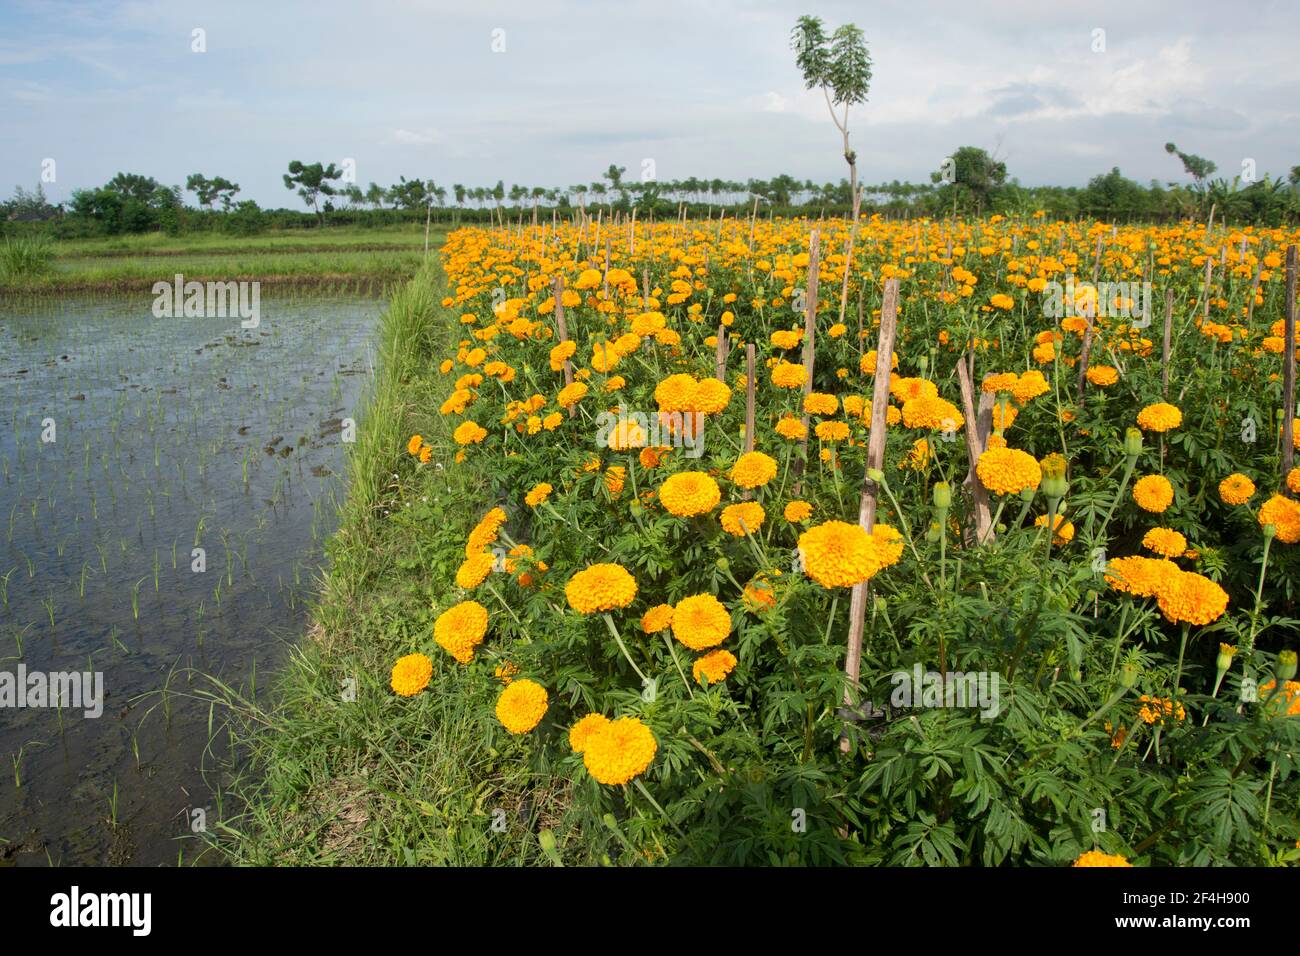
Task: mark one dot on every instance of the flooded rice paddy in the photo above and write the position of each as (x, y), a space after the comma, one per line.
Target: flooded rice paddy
(165, 489)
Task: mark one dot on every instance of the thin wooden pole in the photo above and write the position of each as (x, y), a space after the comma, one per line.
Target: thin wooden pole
(564, 335)
(1168, 342)
(974, 448)
(809, 349)
(870, 492)
(1288, 371)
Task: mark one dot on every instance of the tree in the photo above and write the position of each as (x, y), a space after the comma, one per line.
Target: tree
(974, 172)
(375, 195)
(312, 182)
(411, 193)
(28, 205)
(133, 186)
(615, 176)
(1195, 166)
(841, 66)
(209, 191)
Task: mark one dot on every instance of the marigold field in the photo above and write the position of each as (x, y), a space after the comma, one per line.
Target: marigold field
(657, 611)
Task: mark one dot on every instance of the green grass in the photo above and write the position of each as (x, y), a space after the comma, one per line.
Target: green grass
(382, 780)
(38, 265)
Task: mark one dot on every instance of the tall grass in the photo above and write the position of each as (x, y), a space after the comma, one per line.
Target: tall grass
(26, 257)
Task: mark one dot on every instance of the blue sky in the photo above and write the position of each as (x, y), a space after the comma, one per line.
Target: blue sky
(416, 89)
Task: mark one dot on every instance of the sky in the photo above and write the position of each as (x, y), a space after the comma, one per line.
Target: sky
(550, 92)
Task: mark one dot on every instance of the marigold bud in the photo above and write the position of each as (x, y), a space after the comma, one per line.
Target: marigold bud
(1224, 660)
(1129, 674)
(1133, 442)
(1286, 661)
(942, 495)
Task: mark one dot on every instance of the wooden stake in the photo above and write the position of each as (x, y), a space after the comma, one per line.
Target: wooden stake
(974, 448)
(564, 335)
(720, 355)
(1168, 342)
(749, 407)
(809, 346)
(1288, 372)
(870, 491)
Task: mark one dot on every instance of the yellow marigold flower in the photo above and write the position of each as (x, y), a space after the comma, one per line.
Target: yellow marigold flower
(1097, 858)
(625, 435)
(831, 431)
(560, 354)
(620, 752)
(676, 393)
(505, 672)
(788, 375)
(701, 621)
(475, 569)
(540, 493)
(425, 454)
(580, 734)
(1293, 480)
(743, 518)
(1192, 598)
(1284, 702)
(906, 389)
(868, 362)
(522, 706)
(753, 469)
(759, 595)
(571, 394)
(600, 587)
(1029, 386)
(1154, 710)
(552, 421)
(837, 330)
(614, 383)
(460, 629)
(999, 382)
(1284, 515)
(469, 433)
(1236, 489)
(1044, 353)
(485, 532)
(411, 674)
(1008, 471)
(604, 356)
(1002, 301)
(690, 493)
(1004, 416)
(1160, 417)
(797, 511)
(657, 618)
(837, 554)
(918, 457)
(819, 403)
(711, 396)
(1165, 542)
(791, 428)
(713, 667)
(615, 476)
(1153, 493)
(413, 446)
(652, 457)
(1103, 376)
(1064, 530)
(786, 338)
(932, 413)
(1139, 576)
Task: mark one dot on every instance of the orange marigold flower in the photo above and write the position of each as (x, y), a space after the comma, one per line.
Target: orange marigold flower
(690, 493)
(788, 375)
(1097, 858)
(469, 433)
(580, 734)
(460, 629)
(538, 495)
(743, 518)
(657, 618)
(1064, 530)
(1236, 489)
(713, 667)
(411, 674)
(701, 621)
(1284, 515)
(1153, 493)
(753, 469)
(1191, 598)
(791, 428)
(475, 569)
(1008, 471)
(620, 752)
(600, 587)
(797, 511)
(1160, 417)
(837, 554)
(1103, 376)
(521, 706)
(1165, 542)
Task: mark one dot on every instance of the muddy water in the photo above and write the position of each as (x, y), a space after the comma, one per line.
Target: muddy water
(165, 489)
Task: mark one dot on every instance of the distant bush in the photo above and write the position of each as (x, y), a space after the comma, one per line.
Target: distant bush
(26, 257)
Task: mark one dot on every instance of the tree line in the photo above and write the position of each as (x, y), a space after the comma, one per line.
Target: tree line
(969, 182)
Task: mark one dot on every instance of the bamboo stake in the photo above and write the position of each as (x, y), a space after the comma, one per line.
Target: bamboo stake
(564, 335)
(974, 448)
(1288, 372)
(720, 355)
(870, 492)
(749, 407)
(1092, 319)
(809, 345)
(1168, 342)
